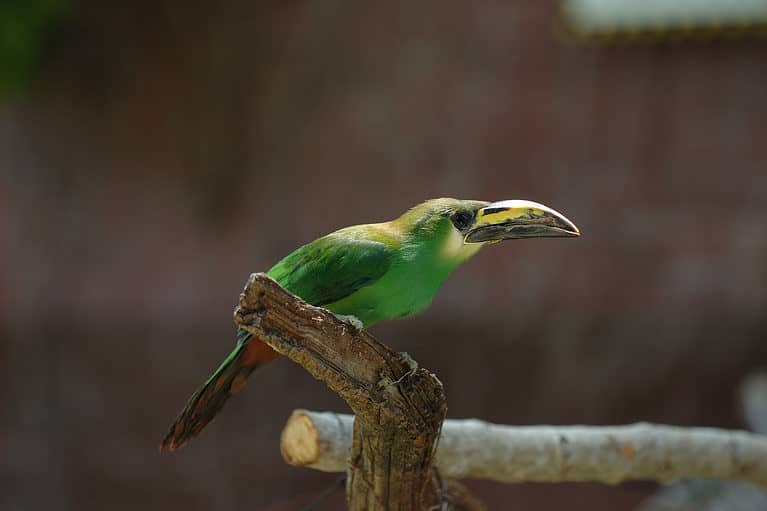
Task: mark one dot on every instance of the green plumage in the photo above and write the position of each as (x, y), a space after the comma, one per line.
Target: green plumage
(333, 267)
(379, 271)
(374, 272)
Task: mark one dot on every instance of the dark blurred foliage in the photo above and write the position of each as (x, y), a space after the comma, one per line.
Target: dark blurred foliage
(26, 28)
(166, 150)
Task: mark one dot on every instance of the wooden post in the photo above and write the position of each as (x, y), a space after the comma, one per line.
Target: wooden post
(399, 406)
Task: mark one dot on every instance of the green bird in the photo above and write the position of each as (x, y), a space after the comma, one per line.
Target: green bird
(374, 272)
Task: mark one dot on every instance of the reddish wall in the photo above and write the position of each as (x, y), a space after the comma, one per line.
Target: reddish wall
(168, 152)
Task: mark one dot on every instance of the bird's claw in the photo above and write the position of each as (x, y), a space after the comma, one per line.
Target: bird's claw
(413, 367)
(353, 320)
(410, 361)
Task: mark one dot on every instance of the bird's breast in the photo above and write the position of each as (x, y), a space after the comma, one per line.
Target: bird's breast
(398, 294)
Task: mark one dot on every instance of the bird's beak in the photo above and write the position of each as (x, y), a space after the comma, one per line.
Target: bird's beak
(512, 219)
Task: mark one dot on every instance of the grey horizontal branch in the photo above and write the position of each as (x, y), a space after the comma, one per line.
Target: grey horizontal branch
(513, 454)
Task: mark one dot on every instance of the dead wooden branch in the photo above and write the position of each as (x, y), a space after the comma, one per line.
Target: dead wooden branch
(399, 406)
(389, 449)
(511, 454)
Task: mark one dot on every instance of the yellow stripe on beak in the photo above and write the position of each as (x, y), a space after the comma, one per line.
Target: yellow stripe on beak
(513, 219)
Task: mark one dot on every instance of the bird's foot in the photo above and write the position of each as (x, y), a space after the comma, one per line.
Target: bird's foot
(409, 360)
(413, 367)
(354, 320)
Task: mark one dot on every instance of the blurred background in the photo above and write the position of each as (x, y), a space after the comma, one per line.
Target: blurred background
(153, 154)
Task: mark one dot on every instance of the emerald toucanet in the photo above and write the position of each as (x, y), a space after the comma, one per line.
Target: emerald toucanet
(374, 272)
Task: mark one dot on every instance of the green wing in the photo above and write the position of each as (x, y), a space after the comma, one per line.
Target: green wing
(333, 267)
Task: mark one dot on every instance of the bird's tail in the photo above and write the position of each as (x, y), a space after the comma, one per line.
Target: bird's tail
(228, 379)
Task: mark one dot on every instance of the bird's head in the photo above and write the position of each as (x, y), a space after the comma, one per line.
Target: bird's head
(467, 225)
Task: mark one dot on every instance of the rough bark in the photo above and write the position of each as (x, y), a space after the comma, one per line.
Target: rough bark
(511, 454)
(400, 407)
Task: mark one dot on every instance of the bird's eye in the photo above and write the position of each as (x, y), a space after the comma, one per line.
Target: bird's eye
(462, 220)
